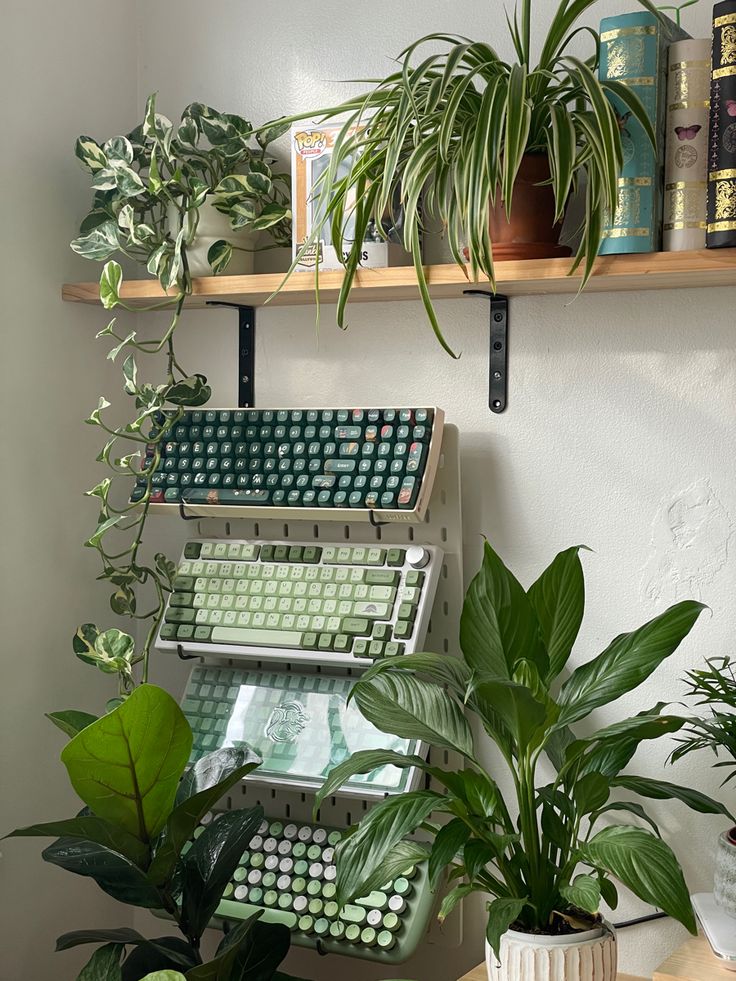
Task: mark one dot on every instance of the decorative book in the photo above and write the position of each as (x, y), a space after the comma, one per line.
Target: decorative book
(633, 52)
(686, 146)
(721, 231)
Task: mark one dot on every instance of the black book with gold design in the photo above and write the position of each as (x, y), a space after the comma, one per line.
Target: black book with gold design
(721, 230)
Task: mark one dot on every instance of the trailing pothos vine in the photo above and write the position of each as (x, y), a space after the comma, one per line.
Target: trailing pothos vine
(148, 189)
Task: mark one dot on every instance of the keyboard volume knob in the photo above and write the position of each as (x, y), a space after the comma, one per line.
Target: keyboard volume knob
(417, 557)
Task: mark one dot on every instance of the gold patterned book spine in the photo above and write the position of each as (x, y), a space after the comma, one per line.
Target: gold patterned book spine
(686, 147)
(721, 216)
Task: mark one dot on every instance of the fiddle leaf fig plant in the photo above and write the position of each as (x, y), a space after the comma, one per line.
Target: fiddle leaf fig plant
(546, 855)
(142, 836)
(150, 185)
(444, 136)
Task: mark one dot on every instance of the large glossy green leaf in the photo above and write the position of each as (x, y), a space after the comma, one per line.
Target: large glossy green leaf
(406, 706)
(448, 841)
(524, 716)
(662, 790)
(222, 965)
(126, 766)
(646, 865)
(114, 873)
(71, 721)
(258, 956)
(365, 761)
(498, 626)
(584, 892)
(201, 787)
(92, 829)
(394, 863)
(174, 949)
(558, 599)
(210, 862)
(441, 668)
(103, 965)
(626, 663)
(501, 914)
(363, 853)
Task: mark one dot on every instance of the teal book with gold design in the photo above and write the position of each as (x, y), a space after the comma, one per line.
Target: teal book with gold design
(633, 51)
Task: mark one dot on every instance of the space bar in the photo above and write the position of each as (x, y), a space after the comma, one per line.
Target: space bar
(257, 638)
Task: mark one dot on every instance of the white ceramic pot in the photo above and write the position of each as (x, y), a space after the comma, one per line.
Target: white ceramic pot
(724, 880)
(586, 956)
(212, 226)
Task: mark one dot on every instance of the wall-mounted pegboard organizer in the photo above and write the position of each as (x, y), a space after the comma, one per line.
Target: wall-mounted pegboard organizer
(650, 271)
(442, 526)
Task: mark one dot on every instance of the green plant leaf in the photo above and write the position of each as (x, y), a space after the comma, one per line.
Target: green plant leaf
(172, 948)
(646, 865)
(90, 154)
(558, 599)
(219, 255)
(210, 862)
(99, 243)
(448, 841)
(662, 790)
(591, 792)
(584, 892)
(114, 873)
(127, 765)
(410, 708)
(89, 828)
(201, 787)
(250, 957)
(396, 862)
(111, 280)
(501, 914)
(363, 853)
(193, 391)
(453, 897)
(71, 721)
(103, 965)
(524, 717)
(626, 662)
(364, 761)
(498, 626)
(166, 975)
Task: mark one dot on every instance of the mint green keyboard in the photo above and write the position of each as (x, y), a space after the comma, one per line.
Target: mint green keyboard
(289, 873)
(301, 725)
(313, 603)
(371, 463)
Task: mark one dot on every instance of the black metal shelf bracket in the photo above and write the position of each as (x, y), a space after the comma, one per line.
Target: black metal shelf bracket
(246, 351)
(498, 355)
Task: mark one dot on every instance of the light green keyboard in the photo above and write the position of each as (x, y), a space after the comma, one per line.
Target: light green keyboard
(300, 724)
(288, 872)
(314, 603)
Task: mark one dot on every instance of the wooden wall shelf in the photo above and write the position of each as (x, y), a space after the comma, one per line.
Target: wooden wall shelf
(652, 271)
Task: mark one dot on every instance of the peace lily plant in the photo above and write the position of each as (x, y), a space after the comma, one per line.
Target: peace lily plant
(548, 855)
(446, 133)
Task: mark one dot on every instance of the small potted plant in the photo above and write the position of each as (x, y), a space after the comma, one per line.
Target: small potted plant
(458, 135)
(140, 836)
(543, 858)
(715, 686)
(184, 200)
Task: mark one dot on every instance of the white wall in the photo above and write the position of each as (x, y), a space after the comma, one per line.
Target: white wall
(618, 405)
(65, 69)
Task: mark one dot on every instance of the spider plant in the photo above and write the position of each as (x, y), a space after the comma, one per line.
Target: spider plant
(445, 134)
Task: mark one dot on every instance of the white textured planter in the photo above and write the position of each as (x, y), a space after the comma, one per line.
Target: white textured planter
(587, 956)
(213, 226)
(724, 880)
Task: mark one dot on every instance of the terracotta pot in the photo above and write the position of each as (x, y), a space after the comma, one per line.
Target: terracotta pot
(532, 232)
(585, 956)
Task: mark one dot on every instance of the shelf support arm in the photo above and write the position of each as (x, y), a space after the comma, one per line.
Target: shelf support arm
(498, 358)
(246, 351)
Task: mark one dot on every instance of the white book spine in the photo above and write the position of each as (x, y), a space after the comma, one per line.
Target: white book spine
(686, 148)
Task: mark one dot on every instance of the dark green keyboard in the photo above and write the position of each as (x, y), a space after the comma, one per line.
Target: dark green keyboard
(301, 725)
(315, 603)
(323, 462)
(289, 873)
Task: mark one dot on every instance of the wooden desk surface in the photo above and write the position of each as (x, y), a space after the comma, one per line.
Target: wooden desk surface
(479, 973)
(694, 961)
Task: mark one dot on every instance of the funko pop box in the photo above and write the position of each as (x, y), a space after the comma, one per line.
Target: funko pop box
(311, 150)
